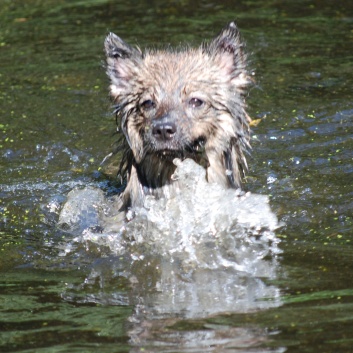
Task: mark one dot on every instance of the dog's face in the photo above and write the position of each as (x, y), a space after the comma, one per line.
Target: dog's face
(171, 106)
(185, 103)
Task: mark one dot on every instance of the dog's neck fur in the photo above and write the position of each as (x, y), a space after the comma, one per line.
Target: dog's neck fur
(152, 176)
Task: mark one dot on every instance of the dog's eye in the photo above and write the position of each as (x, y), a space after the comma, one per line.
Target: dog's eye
(195, 102)
(148, 104)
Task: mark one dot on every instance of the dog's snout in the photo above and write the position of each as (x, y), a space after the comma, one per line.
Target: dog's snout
(164, 130)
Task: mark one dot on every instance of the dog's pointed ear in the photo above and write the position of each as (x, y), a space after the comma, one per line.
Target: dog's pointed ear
(228, 49)
(116, 48)
(122, 60)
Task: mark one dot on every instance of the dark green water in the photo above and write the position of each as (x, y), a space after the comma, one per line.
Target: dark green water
(56, 127)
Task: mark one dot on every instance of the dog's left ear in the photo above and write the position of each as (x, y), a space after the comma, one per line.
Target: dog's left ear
(228, 49)
(228, 163)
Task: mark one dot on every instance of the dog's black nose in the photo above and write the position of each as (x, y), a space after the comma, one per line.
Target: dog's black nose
(164, 130)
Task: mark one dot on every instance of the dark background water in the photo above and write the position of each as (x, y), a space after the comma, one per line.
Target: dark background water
(56, 127)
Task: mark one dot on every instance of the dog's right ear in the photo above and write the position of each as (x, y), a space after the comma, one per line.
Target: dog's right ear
(116, 48)
(122, 60)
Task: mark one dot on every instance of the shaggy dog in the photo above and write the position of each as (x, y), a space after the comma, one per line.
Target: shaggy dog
(179, 103)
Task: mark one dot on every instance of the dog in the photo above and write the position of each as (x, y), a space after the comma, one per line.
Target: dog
(179, 103)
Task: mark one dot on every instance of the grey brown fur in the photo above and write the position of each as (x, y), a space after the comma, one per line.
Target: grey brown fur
(185, 103)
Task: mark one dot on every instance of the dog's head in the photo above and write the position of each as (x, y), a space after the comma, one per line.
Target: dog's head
(184, 103)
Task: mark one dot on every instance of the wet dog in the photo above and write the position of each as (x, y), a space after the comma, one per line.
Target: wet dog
(179, 103)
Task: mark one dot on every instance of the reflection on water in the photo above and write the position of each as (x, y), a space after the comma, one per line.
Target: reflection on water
(162, 295)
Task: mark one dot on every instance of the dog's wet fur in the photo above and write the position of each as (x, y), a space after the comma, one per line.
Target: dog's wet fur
(179, 103)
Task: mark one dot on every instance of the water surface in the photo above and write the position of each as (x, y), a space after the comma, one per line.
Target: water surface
(56, 127)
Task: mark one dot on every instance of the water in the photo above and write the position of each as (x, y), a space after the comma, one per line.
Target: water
(59, 293)
(224, 243)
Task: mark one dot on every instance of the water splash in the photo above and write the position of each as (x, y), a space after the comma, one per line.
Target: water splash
(207, 248)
